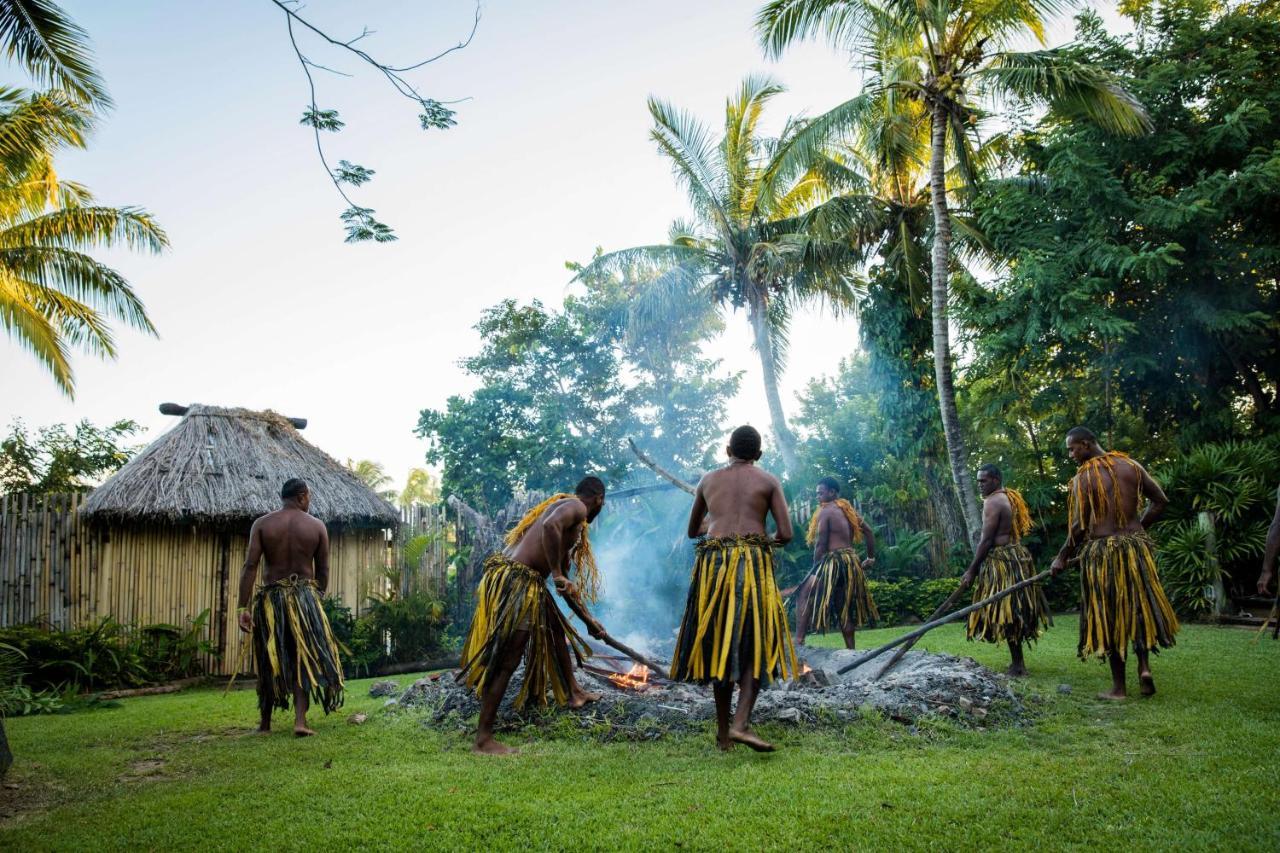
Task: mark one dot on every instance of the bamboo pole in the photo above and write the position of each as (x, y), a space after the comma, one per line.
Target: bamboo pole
(950, 617)
(906, 647)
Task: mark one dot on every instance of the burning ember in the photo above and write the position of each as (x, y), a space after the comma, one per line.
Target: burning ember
(805, 669)
(636, 678)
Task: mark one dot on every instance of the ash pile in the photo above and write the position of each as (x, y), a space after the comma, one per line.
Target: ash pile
(639, 705)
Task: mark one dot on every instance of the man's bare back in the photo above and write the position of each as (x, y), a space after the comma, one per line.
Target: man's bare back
(738, 498)
(559, 523)
(1131, 481)
(292, 543)
(839, 530)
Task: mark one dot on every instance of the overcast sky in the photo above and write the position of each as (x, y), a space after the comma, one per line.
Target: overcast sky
(259, 303)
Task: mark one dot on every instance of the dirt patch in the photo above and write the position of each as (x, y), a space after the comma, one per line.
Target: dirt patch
(26, 793)
(923, 685)
(145, 770)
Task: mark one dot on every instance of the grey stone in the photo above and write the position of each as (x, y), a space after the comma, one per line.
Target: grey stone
(384, 688)
(1064, 688)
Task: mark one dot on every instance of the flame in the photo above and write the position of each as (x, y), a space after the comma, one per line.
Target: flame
(636, 678)
(805, 669)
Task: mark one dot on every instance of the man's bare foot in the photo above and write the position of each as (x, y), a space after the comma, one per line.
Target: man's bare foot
(751, 739)
(1114, 695)
(1016, 671)
(263, 730)
(489, 746)
(723, 743)
(1148, 684)
(799, 641)
(301, 730)
(581, 698)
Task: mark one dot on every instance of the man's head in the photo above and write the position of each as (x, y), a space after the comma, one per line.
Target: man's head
(591, 492)
(744, 444)
(294, 492)
(828, 489)
(1082, 444)
(989, 479)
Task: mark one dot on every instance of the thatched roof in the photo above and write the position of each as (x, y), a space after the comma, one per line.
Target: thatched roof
(226, 466)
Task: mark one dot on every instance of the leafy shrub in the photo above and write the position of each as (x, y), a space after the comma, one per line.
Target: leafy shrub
(910, 599)
(107, 654)
(411, 627)
(16, 698)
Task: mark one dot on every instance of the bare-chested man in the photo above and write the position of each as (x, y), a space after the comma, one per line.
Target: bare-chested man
(1121, 599)
(293, 649)
(734, 629)
(516, 617)
(1001, 561)
(836, 593)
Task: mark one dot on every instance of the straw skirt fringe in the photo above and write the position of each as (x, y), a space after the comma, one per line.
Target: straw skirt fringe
(1121, 600)
(511, 598)
(840, 593)
(734, 623)
(293, 646)
(1020, 617)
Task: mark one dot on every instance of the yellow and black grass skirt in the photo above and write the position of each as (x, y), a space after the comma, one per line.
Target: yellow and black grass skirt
(1121, 600)
(1018, 618)
(734, 622)
(293, 646)
(513, 597)
(840, 594)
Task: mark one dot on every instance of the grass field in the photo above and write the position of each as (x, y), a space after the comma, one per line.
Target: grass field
(1197, 766)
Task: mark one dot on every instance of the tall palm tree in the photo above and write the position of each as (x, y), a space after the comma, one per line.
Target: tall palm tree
(766, 236)
(54, 50)
(53, 295)
(951, 55)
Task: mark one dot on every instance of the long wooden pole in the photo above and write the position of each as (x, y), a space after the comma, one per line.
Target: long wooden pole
(906, 647)
(577, 607)
(659, 470)
(950, 617)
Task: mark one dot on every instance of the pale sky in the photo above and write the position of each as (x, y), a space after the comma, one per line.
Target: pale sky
(259, 303)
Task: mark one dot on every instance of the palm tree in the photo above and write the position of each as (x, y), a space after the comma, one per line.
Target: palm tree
(420, 487)
(373, 475)
(950, 55)
(39, 36)
(53, 295)
(766, 237)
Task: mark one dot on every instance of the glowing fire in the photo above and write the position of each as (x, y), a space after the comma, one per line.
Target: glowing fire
(636, 678)
(805, 669)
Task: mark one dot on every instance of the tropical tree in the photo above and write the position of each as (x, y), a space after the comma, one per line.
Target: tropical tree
(951, 56)
(373, 475)
(766, 236)
(41, 38)
(53, 295)
(420, 487)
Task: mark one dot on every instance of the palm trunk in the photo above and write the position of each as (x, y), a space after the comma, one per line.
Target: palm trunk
(941, 331)
(764, 345)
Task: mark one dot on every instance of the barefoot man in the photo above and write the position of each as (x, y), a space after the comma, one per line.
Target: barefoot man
(517, 618)
(1000, 562)
(836, 592)
(734, 629)
(294, 651)
(1121, 600)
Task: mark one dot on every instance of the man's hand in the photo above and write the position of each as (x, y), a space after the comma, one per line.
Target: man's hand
(566, 587)
(868, 563)
(1058, 567)
(968, 577)
(246, 621)
(1264, 582)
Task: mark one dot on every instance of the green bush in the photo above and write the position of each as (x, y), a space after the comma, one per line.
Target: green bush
(910, 599)
(107, 654)
(412, 628)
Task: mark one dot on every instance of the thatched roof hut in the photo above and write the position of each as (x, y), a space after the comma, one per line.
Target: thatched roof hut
(167, 533)
(225, 466)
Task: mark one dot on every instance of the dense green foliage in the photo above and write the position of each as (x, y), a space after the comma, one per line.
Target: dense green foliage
(104, 655)
(56, 460)
(562, 390)
(1185, 770)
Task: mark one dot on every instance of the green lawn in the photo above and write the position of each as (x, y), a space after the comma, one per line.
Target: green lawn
(1197, 766)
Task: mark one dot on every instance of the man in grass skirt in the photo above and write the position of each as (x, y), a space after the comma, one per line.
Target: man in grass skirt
(294, 652)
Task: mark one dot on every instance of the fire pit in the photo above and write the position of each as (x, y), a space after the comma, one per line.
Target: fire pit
(638, 704)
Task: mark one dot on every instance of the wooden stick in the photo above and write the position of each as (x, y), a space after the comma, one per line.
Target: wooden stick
(659, 470)
(656, 668)
(906, 647)
(950, 617)
(1265, 622)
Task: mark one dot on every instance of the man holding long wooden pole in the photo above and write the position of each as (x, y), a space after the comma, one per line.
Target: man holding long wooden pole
(1001, 561)
(1121, 600)
(516, 617)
